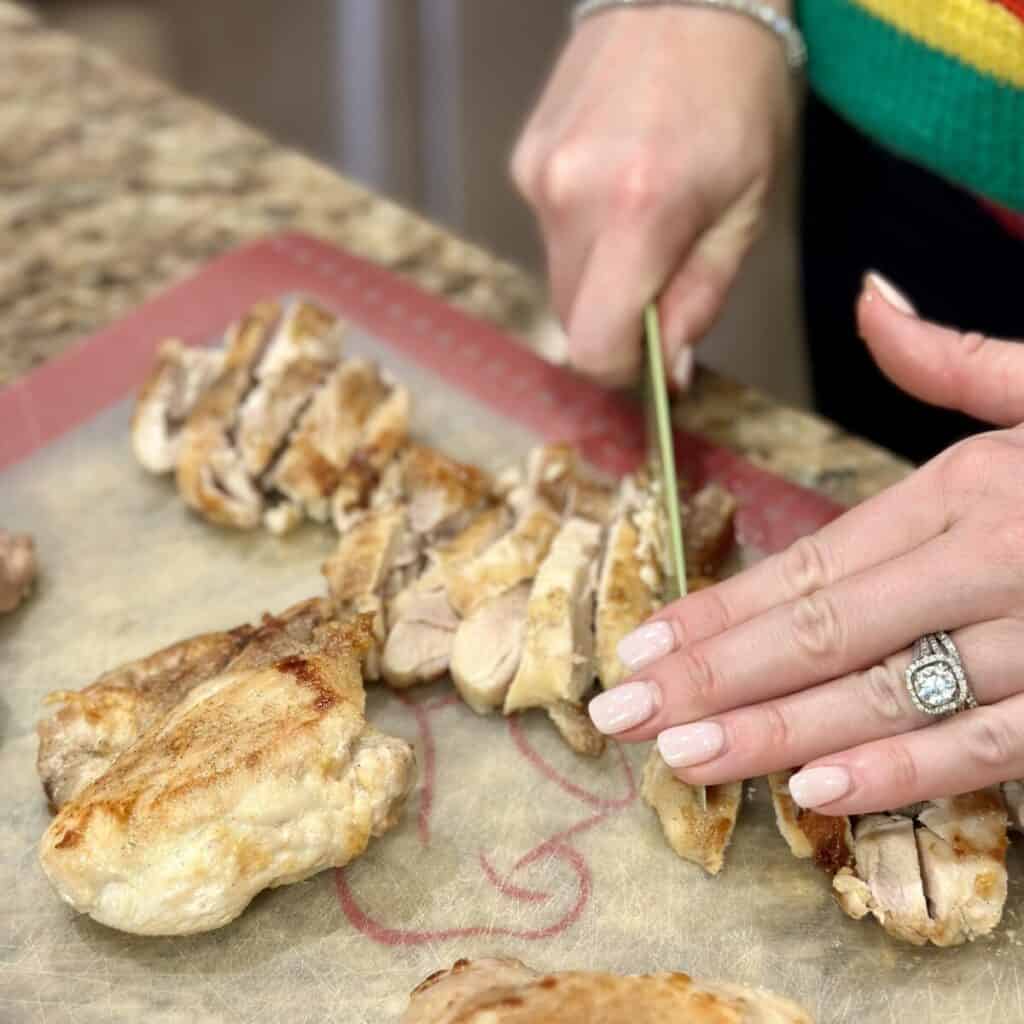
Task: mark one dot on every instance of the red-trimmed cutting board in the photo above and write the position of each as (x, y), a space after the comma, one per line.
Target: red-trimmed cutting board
(510, 844)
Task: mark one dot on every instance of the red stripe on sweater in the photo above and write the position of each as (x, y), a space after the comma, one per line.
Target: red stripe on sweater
(1013, 222)
(1013, 6)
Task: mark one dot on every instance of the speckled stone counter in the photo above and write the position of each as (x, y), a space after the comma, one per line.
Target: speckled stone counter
(112, 186)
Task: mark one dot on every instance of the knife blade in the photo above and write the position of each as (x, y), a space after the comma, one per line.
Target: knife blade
(661, 459)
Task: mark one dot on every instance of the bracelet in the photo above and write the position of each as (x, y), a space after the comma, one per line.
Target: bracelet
(783, 27)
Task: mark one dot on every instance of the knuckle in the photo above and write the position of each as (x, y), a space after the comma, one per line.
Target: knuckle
(885, 693)
(970, 464)
(902, 770)
(774, 731)
(699, 677)
(806, 567)
(816, 627)
(562, 175)
(639, 185)
(991, 739)
(714, 613)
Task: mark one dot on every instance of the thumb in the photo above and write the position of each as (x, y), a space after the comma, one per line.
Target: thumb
(980, 376)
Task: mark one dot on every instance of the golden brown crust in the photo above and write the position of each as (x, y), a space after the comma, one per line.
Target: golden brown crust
(827, 840)
(708, 530)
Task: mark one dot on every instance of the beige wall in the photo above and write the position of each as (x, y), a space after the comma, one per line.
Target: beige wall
(422, 98)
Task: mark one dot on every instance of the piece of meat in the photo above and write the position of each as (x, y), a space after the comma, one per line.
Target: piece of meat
(487, 648)
(495, 991)
(694, 834)
(556, 474)
(826, 839)
(380, 545)
(176, 383)
(442, 494)
(421, 622)
(1013, 793)
(575, 727)
(258, 778)
(962, 847)
(709, 533)
(509, 561)
(210, 474)
(17, 569)
(329, 436)
(557, 660)
(81, 739)
(305, 348)
(627, 594)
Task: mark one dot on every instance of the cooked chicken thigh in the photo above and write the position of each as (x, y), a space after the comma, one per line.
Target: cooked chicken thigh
(509, 992)
(826, 839)
(17, 568)
(1013, 793)
(258, 778)
(697, 835)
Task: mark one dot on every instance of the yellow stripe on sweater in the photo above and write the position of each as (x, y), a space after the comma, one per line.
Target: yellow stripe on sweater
(979, 33)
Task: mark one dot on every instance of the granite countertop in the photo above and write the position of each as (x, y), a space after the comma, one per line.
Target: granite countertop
(112, 186)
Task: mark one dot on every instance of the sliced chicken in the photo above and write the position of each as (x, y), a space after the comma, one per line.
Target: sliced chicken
(258, 778)
(442, 494)
(359, 573)
(826, 839)
(557, 660)
(329, 436)
(555, 474)
(493, 991)
(696, 835)
(81, 739)
(17, 569)
(708, 530)
(487, 648)
(1013, 793)
(304, 349)
(575, 727)
(421, 622)
(171, 391)
(511, 560)
(211, 476)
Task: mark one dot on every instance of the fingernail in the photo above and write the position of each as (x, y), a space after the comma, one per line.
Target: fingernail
(891, 294)
(646, 644)
(682, 368)
(624, 706)
(815, 787)
(687, 745)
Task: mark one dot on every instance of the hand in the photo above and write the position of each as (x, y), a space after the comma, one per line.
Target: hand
(791, 662)
(647, 162)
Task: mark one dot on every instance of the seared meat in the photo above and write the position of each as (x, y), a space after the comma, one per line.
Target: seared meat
(509, 992)
(258, 778)
(827, 839)
(442, 494)
(555, 474)
(696, 835)
(708, 531)
(170, 393)
(1013, 793)
(17, 568)
(211, 476)
(575, 727)
(80, 740)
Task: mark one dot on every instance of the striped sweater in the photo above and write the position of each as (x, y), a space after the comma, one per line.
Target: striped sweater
(940, 82)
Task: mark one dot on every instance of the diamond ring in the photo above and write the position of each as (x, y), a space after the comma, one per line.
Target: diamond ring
(936, 680)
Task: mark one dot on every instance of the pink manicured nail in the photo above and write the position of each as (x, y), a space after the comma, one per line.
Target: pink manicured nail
(686, 745)
(891, 294)
(646, 644)
(682, 368)
(623, 707)
(815, 787)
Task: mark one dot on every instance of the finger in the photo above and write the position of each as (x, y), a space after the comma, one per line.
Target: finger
(969, 751)
(694, 298)
(980, 376)
(838, 715)
(843, 628)
(567, 249)
(883, 527)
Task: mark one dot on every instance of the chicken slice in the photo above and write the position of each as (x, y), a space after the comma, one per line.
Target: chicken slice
(696, 835)
(1013, 793)
(379, 546)
(555, 474)
(557, 659)
(258, 778)
(17, 568)
(81, 739)
(442, 494)
(575, 727)
(487, 648)
(511, 560)
(421, 622)
(329, 435)
(171, 391)
(493, 991)
(826, 839)
(887, 881)
(962, 848)
(708, 530)
(211, 477)
(304, 349)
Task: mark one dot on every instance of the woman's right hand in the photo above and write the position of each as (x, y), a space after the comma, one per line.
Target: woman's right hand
(647, 161)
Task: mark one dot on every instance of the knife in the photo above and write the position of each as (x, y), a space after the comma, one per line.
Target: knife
(661, 457)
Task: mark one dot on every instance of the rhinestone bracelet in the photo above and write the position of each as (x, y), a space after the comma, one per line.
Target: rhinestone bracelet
(765, 14)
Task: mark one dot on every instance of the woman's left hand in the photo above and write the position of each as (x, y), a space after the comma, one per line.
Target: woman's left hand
(791, 662)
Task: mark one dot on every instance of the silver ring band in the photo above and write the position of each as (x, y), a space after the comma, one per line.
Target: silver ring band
(936, 679)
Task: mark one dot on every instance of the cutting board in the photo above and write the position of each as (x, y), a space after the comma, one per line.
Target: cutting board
(510, 845)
